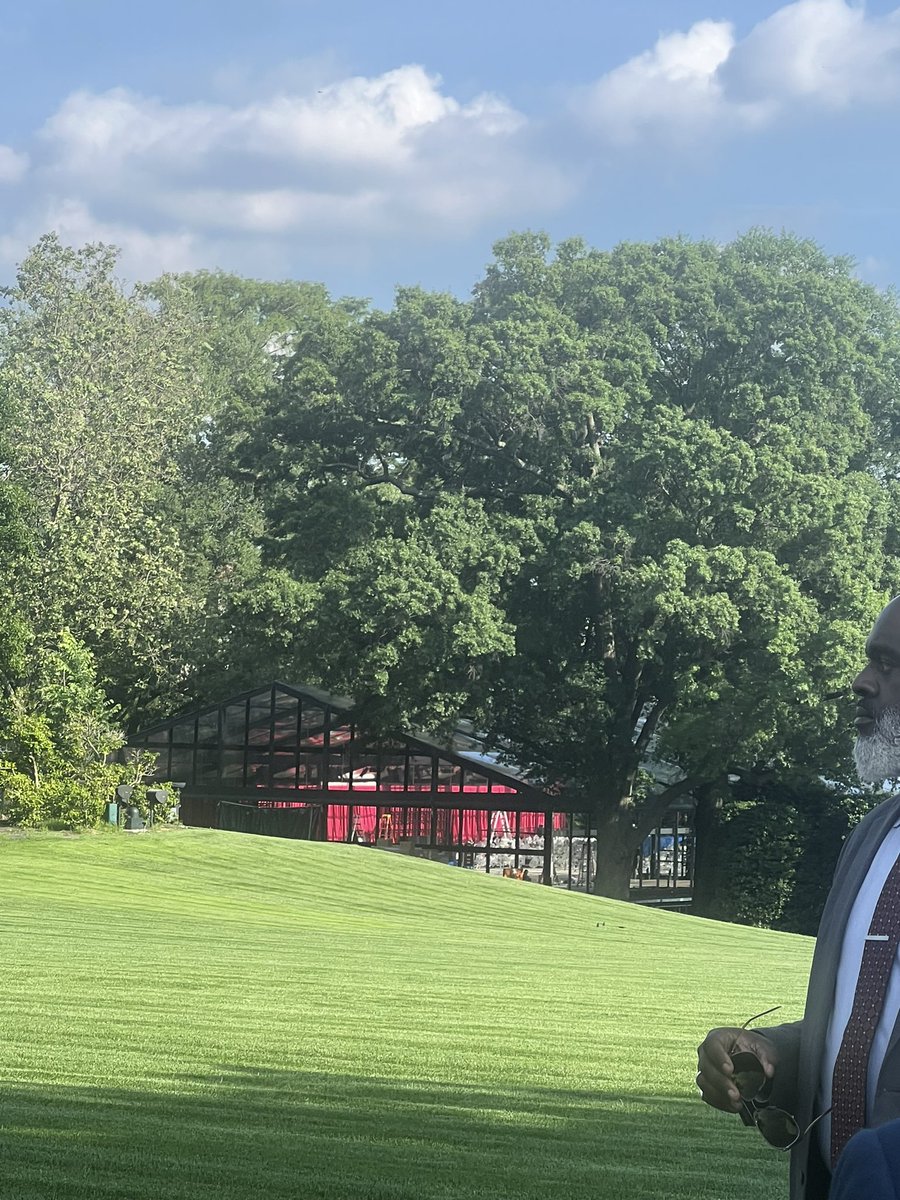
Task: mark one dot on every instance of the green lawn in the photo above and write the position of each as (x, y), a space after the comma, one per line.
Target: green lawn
(190, 1014)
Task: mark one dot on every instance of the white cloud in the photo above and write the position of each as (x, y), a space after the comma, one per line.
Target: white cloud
(812, 54)
(360, 121)
(13, 166)
(350, 161)
(672, 86)
(824, 52)
(282, 162)
(144, 254)
(301, 169)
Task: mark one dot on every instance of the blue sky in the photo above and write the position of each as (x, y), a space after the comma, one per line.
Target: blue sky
(369, 145)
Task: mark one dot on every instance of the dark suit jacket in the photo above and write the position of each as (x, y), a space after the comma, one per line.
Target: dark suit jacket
(869, 1168)
(801, 1045)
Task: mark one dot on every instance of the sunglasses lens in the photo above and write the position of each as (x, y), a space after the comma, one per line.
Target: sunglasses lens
(777, 1127)
(749, 1075)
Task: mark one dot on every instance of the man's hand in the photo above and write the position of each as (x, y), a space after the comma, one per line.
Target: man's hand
(715, 1076)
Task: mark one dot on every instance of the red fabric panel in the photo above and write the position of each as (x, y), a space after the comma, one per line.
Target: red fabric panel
(418, 823)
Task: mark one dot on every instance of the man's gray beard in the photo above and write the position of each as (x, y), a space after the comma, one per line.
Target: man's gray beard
(877, 756)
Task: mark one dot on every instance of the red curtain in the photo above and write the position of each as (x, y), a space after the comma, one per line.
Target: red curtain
(417, 823)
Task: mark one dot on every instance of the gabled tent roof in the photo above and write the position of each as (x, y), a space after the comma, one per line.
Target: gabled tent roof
(471, 756)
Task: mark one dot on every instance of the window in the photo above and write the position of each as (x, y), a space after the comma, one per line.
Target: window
(312, 725)
(474, 782)
(287, 710)
(181, 769)
(259, 727)
(207, 764)
(284, 769)
(234, 724)
(420, 772)
(258, 767)
(233, 766)
(185, 732)
(208, 728)
(310, 769)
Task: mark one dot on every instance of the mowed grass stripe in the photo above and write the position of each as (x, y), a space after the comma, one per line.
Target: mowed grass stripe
(200, 1014)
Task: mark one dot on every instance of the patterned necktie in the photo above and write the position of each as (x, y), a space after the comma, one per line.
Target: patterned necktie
(848, 1087)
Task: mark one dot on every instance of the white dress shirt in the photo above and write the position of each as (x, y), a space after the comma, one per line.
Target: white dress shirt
(850, 961)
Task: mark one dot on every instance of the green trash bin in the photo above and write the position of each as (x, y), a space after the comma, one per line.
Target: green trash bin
(111, 816)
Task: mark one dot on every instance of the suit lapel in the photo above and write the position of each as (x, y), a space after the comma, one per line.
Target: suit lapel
(831, 932)
(820, 998)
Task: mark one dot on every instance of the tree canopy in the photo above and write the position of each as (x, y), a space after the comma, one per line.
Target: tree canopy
(621, 507)
(630, 511)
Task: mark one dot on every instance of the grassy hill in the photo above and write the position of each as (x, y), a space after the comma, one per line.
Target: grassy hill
(190, 1015)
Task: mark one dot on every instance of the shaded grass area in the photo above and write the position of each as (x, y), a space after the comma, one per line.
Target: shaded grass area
(199, 1014)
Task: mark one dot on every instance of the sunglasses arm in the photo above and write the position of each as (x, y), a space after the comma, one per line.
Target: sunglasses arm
(746, 1114)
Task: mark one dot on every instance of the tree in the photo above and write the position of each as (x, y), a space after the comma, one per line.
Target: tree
(364, 587)
(135, 542)
(15, 557)
(16, 552)
(59, 733)
(729, 553)
(246, 607)
(771, 854)
(667, 472)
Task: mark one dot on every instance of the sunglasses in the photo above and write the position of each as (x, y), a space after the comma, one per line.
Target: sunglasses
(776, 1125)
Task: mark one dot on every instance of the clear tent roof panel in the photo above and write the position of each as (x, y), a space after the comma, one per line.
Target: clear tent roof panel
(269, 732)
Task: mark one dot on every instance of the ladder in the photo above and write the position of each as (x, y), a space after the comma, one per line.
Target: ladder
(500, 826)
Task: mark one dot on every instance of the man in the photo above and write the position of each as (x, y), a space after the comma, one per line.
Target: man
(840, 1066)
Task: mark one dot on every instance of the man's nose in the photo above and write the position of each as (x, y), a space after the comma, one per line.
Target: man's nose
(865, 683)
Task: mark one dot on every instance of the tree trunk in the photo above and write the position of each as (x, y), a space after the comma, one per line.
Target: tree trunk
(621, 828)
(707, 816)
(617, 843)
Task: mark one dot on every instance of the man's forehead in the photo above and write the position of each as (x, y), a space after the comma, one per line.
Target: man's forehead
(886, 632)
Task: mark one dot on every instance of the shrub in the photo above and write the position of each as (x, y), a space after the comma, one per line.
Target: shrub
(60, 735)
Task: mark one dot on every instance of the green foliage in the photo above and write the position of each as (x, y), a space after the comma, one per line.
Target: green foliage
(757, 852)
(235, 613)
(620, 505)
(55, 802)
(106, 390)
(59, 733)
(414, 616)
(16, 550)
(632, 512)
(771, 853)
(825, 819)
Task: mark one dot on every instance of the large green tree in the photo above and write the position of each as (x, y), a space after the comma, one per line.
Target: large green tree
(624, 508)
(137, 541)
(16, 551)
(248, 610)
